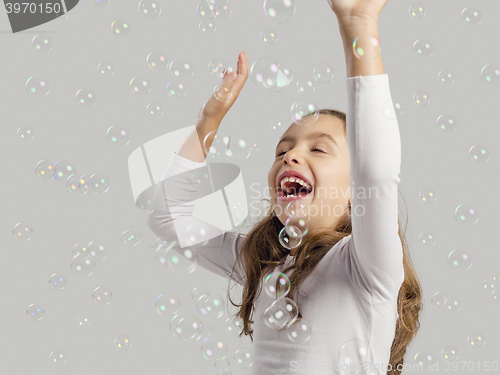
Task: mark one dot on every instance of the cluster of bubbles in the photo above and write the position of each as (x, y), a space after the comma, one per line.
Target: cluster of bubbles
(209, 11)
(445, 301)
(62, 170)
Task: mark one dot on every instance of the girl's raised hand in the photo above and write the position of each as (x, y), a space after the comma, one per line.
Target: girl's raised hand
(360, 9)
(214, 110)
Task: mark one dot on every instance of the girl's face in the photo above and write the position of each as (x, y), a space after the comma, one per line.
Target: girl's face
(323, 162)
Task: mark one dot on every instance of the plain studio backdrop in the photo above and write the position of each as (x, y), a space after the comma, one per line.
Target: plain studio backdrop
(65, 130)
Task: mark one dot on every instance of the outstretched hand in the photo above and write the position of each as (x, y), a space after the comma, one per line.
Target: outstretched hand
(363, 9)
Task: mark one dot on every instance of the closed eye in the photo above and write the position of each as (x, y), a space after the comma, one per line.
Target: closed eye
(314, 149)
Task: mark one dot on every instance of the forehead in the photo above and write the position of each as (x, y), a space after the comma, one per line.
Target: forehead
(325, 123)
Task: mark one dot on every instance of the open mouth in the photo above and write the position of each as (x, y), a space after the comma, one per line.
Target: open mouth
(292, 194)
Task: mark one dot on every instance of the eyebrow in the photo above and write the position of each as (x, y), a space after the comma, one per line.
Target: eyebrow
(313, 135)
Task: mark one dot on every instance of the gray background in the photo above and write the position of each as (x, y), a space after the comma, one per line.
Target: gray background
(65, 130)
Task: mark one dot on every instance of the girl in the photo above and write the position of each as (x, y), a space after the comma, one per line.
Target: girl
(361, 297)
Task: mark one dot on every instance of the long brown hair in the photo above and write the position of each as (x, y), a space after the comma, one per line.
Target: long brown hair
(262, 252)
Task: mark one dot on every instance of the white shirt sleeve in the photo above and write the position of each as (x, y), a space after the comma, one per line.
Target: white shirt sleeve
(373, 256)
(173, 220)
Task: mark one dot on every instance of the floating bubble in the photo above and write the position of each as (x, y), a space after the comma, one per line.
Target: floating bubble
(366, 47)
(446, 76)
(231, 327)
(288, 242)
(427, 196)
(155, 109)
(425, 360)
(122, 342)
(490, 75)
(323, 73)
(97, 250)
(449, 353)
(466, 214)
(42, 43)
(353, 352)
(85, 97)
(446, 123)
(102, 296)
(211, 306)
(45, 170)
(167, 304)
(243, 357)
(479, 153)
(106, 69)
(83, 264)
(181, 68)
(279, 10)
(180, 259)
(423, 48)
(421, 98)
(188, 329)
(222, 366)
(222, 92)
(100, 183)
(22, 231)
(58, 357)
(204, 10)
(25, 133)
(157, 61)
(84, 183)
(459, 260)
(176, 89)
(35, 311)
(216, 68)
(214, 348)
(149, 8)
(268, 36)
(417, 11)
(305, 87)
(131, 237)
(268, 73)
(82, 321)
(472, 16)
(427, 238)
(475, 340)
(140, 86)
(304, 112)
(36, 86)
(63, 169)
(221, 12)
(229, 148)
(389, 109)
(453, 304)
(281, 312)
(438, 300)
(57, 281)
(277, 126)
(299, 331)
(199, 292)
(296, 208)
(296, 227)
(207, 27)
(118, 136)
(276, 285)
(120, 27)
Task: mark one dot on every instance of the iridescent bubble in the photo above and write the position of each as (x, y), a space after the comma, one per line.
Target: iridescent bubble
(149, 8)
(296, 208)
(417, 11)
(157, 61)
(155, 109)
(323, 73)
(42, 43)
(276, 285)
(211, 306)
(453, 304)
(222, 92)
(85, 97)
(122, 342)
(230, 327)
(423, 48)
(22, 231)
(120, 27)
(102, 296)
(490, 285)
(279, 10)
(449, 353)
(366, 47)
(106, 69)
(438, 299)
(277, 126)
(221, 12)
(204, 10)
(216, 68)
(352, 352)
(446, 76)
(25, 133)
(131, 237)
(304, 112)
(490, 75)
(214, 348)
(97, 250)
(199, 292)
(475, 340)
(45, 170)
(268, 73)
(35, 311)
(466, 214)
(217, 2)
(181, 68)
(296, 227)
(80, 249)
(281, 312)
(426, 360)
(427, 196)
(268, 36)
(305, 87)
(83, 264)
(58, 357)
(288, 242)
(446, 123)
(459, 260)
(421, 98)
(118, 136)
(99, 182)
(243, 357)
(82, 321)
(180, 259)
(57, 281)
(299, 331)
(427, 238)
(176, 89)
(189, 329)
(140, 86)
(207, 27)
(63, 169)
(36, 86)
(472, 16)
(222, 366)
(167, 304)
(84, 183)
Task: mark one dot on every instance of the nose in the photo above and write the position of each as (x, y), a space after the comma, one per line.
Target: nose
(291, 157)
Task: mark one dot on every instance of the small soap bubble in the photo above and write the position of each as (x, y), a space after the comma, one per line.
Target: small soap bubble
(122, 342)
(118, 136)
(35, 311)
(299, 331)
(427, 196)
(475, 340)
(277, 316)
(222, 366)
(199, 292)
(296, 208)
(102, 296)
(447, 123)
(449, 353)
(366, 47)
(157, 61)
(83, 264)
(352, 353)
(479, 153)
(287, 241)
(63, 169)
(85, 97)
(277, 285)
(36, 86)
(446, 76)
(306, 87)
(97, 250)
(427, 238)
(459, 260)
(268, 36)
(211, 306)
(296, 227)
(189, 329)
(222, 92)
(426, 360)
(471, 16)
(277, 126)
(490, 285)
(323, 73)
(22, 231)
(207, 27)
(453, 304)
(216, 68)
(25, 133)
(57, 357)
(221, 12)
(155, 109)
(45, 170)
(279, 10)
(423, 48)
(149, 8)
(243, 357)
(167, 304)
(181, 68)
(214, 348)
(140, 86)
(421, 98)
(120, 27)
(176, 89)
(438, 300)
(389, 110)
(80, 249)
(204, 10)
(304, 112)
(490, 75)
(99, 182)
(466, 214)
(42, 43)
(131, 237)
(106, 69)
(82, 321)
(57, 281)
(417, 11)
(179, 259)
(269, 74)
(84, 183)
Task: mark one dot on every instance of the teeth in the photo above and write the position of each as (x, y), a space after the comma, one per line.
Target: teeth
(295, 179)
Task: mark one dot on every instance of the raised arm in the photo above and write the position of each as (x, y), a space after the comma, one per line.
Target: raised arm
(373, 257)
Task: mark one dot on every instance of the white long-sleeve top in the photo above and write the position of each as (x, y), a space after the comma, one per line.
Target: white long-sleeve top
(352, 292)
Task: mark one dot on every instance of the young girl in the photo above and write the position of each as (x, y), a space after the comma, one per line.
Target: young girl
(360, 296)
